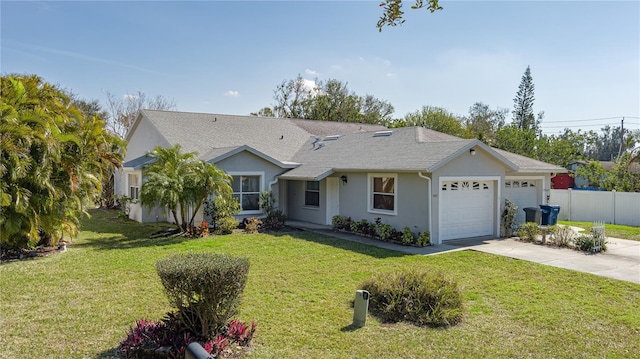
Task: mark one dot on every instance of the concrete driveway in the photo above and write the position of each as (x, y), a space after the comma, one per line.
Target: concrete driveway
(620, 261)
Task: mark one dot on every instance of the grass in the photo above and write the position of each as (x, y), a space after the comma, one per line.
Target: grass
(79, 304)
(612, 230)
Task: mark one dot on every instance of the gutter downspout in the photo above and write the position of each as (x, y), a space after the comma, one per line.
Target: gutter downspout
(429, 202)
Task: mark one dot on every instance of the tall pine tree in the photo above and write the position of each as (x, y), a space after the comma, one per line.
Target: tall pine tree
(523, 116)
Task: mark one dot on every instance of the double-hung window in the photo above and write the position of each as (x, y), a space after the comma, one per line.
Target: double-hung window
(246, 189)
(134, 186)
(382, 193)
(312, 194)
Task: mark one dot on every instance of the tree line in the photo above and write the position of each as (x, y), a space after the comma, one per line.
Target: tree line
(331, 100)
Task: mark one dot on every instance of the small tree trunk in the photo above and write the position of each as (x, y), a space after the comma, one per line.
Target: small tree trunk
(175, 217)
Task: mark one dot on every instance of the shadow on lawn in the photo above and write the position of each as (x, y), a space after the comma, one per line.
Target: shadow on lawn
(108, 354)
(118, 233)
(328, 240)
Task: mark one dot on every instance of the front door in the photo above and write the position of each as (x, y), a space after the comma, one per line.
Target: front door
(333, 198)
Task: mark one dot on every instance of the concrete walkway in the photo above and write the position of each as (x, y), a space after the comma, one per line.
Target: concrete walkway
(620, 261)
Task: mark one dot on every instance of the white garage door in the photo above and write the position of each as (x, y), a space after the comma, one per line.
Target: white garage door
(523, 193)
(466, 209)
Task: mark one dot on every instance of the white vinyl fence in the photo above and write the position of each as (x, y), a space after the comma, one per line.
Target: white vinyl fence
(609, 207)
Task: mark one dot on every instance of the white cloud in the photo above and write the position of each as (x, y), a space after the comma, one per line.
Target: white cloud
(129, 97)
(232, 93)
(312, 72)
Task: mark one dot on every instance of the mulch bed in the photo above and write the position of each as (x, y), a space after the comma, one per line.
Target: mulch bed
(38, 252)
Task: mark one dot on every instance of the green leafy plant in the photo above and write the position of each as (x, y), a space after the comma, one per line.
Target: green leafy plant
(267, 201)
(529, 231)
(590, 243)
(341, 223)
(385, 231)
(584, 242)
(220, 208)
(417, 296)
(424, 239)
(205, 288)
(226, 225)
(407, 236)
(275, 219)
(124, 205)
(252, 225)
(508, 218)
(364, 227)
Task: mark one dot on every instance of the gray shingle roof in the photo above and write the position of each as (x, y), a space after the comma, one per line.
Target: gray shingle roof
(407, 149)
(290, 142)
(275, 137)
(526, 164)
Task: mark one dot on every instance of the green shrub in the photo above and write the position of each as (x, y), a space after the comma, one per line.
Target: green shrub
(589, 243)
(385, 231)
(205, 288)
(220, 209)
(364, 227)
(417, 296)
(341, 223)
(424, 239)
(275, 220)
(252, 225)
(407, 236)
(267, 201)
(584, 242)
(226, 225)
(508, 218)
(529, 231)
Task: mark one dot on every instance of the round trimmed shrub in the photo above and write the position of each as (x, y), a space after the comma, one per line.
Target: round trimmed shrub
(226, 225)
(416, 296)
(206, 288)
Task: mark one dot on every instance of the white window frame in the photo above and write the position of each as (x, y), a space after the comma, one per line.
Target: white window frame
(370, 193)
(306, 189)
(131, 186)
(261, 182)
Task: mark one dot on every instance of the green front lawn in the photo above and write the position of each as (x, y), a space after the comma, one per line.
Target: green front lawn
(612, 230)
(80, 303)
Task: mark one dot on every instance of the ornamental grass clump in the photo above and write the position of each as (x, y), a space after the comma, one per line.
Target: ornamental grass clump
(205, 288)
(416, 296)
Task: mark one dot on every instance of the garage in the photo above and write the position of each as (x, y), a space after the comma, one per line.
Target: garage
(524, 193)
(466, 209)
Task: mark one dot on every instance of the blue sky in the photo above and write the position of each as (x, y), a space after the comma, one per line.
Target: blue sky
(228, 57)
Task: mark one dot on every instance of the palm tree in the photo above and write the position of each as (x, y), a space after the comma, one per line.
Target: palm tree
(208, 180)
(178, 181)
(167, 179)
(47, 154)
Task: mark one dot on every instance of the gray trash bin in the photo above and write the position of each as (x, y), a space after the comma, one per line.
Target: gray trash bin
(533, 214)
(549, 214)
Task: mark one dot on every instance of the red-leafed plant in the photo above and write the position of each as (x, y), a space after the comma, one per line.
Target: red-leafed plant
(169, 338)
(240, 332)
